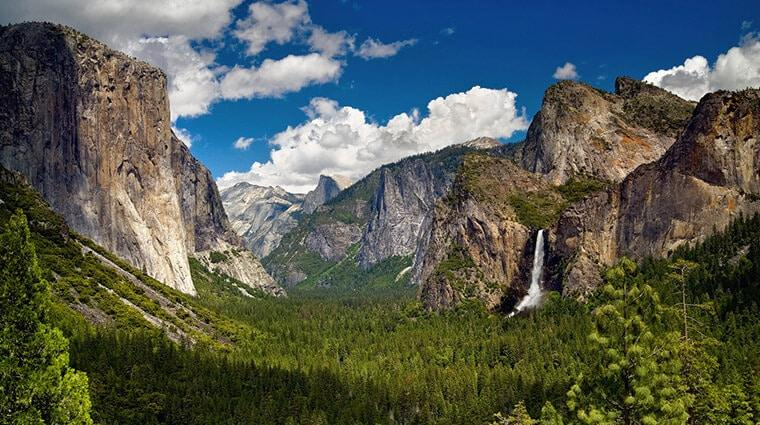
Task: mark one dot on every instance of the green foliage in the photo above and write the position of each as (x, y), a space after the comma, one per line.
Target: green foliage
(36, 383)
(638, 381)
(664, 113)
(535, 203)
(367, 357)
(519, 416)
(537, 210)
(347, 274)
(550, 416)
(579, 187)
(375, 356)
(217, 257)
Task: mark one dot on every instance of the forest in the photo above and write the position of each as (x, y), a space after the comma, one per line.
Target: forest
(669, 341)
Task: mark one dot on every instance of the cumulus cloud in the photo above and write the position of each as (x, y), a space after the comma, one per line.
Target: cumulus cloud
(274, 78)
(448, 31)
(372, 48)
(242, 143)
(566, 72)
(330, 44)
(271, 22)
(343, 140)
(736, 69)
(183, 135)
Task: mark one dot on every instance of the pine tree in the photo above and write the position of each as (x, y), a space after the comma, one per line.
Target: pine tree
(698, 365)
(36, 383)
(638, 379)
(549, 415)
(519, 416)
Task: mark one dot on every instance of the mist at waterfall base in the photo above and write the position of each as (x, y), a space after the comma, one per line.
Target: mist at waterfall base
(534, 291)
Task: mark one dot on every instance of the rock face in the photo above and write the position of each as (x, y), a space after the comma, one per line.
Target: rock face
(708, 177)
(206, 224)
(581, 130)
(90, 128)
(478, 248)
(261, 215)
(404, 198)
(386, 214)
(327, 188)
(650, 205)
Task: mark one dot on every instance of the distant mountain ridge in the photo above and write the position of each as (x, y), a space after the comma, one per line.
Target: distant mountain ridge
(261, 215)
(377, 221)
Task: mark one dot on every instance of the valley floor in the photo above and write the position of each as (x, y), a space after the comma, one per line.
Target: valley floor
(376, 356)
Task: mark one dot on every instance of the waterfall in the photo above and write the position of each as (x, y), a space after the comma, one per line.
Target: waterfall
(534, 292)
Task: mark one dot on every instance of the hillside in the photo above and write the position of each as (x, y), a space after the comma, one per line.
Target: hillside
(91, 283)
(373, 227)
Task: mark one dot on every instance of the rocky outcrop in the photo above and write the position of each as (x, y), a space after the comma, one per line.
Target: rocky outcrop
(405, 196)
(581, 130)
(206, 224)
(90, 128)
(241, 265)
(331, 241)
(261, 215)
(707, 178)
(479, 245)
(327, 188)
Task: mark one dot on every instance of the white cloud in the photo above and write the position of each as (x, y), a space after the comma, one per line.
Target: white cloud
(183, 135)
(746, 25)
(243, 143)
(448, 31)
(736, 69)
(566, 72)
(127, 20)
(192, 85)
(372, 48)
(330, 44)
(274, 78)
(268, 22)
(342, 140)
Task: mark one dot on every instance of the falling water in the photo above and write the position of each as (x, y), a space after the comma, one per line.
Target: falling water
(534, 292)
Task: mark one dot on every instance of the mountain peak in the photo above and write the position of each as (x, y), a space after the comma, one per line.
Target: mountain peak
(327, 188)
(482, 143)
(341, 181)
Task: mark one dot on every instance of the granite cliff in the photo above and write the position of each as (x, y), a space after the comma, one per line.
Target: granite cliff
(90, 129)
(706, 179)
(581, 130)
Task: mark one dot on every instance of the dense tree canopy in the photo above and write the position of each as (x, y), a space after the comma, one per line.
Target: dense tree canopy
(36, 383)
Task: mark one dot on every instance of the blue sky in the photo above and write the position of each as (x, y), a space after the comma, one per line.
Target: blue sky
(451, 47)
